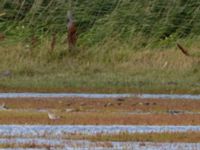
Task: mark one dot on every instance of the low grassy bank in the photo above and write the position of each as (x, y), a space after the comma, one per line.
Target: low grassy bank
(100, 69)
(185, 137)
(105, 141)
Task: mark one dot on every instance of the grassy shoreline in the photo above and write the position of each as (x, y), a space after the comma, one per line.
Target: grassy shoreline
(187, 137)
(121, 71)
(165, 137)
(95, 90)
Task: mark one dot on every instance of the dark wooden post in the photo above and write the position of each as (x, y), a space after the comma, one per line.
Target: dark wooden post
(72, 32)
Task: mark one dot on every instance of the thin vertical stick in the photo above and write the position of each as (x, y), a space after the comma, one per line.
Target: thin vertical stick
(53, 41)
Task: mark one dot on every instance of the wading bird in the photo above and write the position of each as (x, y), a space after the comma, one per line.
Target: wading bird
(72, 32)
(53, 116)
(183, 50)
(3, 107)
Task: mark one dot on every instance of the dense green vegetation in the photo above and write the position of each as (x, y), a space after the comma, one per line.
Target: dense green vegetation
(153, 21)
(122, 44)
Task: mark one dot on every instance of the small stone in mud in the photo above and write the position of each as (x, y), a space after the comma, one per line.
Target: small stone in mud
(142, 144)
(173, 112)
(69, 110)
(154, 103)
(6, 73)
(120, 99)
(82, 104)
(141, 104)
(134, 104)
(138, 111)
(108, 104)
(69, 104)
(119, 104)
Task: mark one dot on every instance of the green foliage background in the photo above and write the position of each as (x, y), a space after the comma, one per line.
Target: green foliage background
(150, 22)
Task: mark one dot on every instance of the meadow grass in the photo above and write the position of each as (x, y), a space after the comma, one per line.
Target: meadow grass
(102, 70)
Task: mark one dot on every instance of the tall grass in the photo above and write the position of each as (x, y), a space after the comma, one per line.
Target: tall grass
(150, 22)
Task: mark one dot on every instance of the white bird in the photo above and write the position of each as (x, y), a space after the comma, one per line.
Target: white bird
(53, 116)
(3, 107)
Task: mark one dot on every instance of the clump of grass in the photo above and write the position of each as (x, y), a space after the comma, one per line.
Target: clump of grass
(121, 71)
(28, 145)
